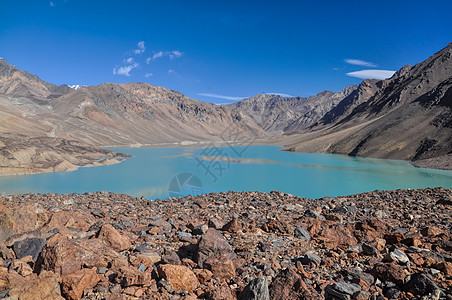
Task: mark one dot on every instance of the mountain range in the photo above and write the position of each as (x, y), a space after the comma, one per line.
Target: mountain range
(407, 116)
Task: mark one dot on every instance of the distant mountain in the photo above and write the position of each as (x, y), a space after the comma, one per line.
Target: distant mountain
(408, 116)
(277, 114)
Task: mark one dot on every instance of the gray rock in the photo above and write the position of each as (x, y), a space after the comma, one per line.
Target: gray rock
(369, 250)
(142, 247)
(257, 289)
(302, 234)
(310, 257)
(341, 290)
(309, 213)
(184, 234)
(30, 246)
(421, 284)
(397, 256)
(101, 270)
(200, 229)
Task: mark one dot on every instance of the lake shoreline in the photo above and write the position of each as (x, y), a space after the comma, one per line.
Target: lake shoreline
(111, 245)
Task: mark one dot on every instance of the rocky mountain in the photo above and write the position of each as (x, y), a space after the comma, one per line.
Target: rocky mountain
(277, 114)
(407, 116)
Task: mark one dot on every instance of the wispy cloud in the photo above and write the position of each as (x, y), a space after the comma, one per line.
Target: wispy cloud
(171, 54)
(359, 62)
(230, 98)
(141, 48)
(372, 74)
(51, 4)
(279, 94)
(148, 75)
(128, 65)
(171, 72)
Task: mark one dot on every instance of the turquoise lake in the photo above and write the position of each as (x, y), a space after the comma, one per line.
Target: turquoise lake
(163, 172)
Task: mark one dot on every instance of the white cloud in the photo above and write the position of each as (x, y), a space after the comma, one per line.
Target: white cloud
(171, 71)
(129, 65)
(51, 4)
(372, 74)
(148, 75)
(158, 54)
(359, 62)
(230, 98)
(141, 48)
(171, 54)
(279, 94)
(148, 60)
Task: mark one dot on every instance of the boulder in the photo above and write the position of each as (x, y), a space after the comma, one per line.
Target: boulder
(179, 277)
(288, 285)
(389, 272)
(213, 244)
(112, 238)
(29, 246)
(74, 284)
(222, 268)
(43, 287)
(131, 276)
(302, 234)
(342, 290)
(257, 289)
(67, 256)
(421, 284)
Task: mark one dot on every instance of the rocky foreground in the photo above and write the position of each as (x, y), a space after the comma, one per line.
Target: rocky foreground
(236, 245)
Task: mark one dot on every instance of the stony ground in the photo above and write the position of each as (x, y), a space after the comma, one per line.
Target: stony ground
(236, 245)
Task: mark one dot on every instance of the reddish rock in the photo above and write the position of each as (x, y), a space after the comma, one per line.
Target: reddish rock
(232, 226)
(394, 238)
(112, 238)
(78, 220)
(203, 275)
(130, 276)
(74, 284)
(213, 244)
(180, 277)
(338, 234)
(277, 226)
(148, 259)
(67, 256)
(288, 285)
(21, 267)
(389, 272)
(431, 231)
(221, 293)
(45, 287)
(221, 268)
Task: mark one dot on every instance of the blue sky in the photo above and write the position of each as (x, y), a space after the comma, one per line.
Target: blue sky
(234, 49)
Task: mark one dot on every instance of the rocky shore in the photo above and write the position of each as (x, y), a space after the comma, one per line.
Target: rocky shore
(235, 245)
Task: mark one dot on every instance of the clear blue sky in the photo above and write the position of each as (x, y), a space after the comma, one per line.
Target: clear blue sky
(228, 48)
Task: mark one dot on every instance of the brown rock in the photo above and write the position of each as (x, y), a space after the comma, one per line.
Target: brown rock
(431, 231)
(148, 259)
(288, 285)
(21, 267)
(180, 277)
(74, 284)
(394, 238)
(232, 226)
(44, 287)
(78, 220)
(213, 244)
(222, 268)
(130, 276)
(389, 272)
(112, 238)
(338, 234)
(203, 275)
(277, 226)
(221, 293)
(67, 256)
